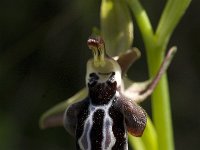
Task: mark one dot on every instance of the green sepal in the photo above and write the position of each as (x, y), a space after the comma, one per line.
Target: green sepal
(116, 26)
(54, 116)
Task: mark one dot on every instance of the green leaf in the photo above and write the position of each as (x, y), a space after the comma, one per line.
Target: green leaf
(148, 141)
(149, 136)
(173, 12)
(136, 143)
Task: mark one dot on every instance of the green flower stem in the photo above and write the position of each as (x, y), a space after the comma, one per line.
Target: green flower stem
(142, 20)
(161, 106)
(155, 45)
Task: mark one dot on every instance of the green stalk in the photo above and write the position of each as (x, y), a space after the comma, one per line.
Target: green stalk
(161, 105)
(155, 47)
(142, 20)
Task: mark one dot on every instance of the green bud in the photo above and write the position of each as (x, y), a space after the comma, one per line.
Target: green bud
(116, 26)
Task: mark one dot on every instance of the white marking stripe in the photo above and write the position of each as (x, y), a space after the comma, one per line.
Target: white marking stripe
(108, 133)
(107, 128)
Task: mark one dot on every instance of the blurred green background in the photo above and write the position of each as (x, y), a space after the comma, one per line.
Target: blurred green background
(43, 53)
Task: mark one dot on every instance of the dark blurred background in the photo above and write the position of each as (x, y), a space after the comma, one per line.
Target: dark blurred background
(43, 53)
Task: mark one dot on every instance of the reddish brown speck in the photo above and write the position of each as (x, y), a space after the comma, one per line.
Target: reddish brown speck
(95, 41)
